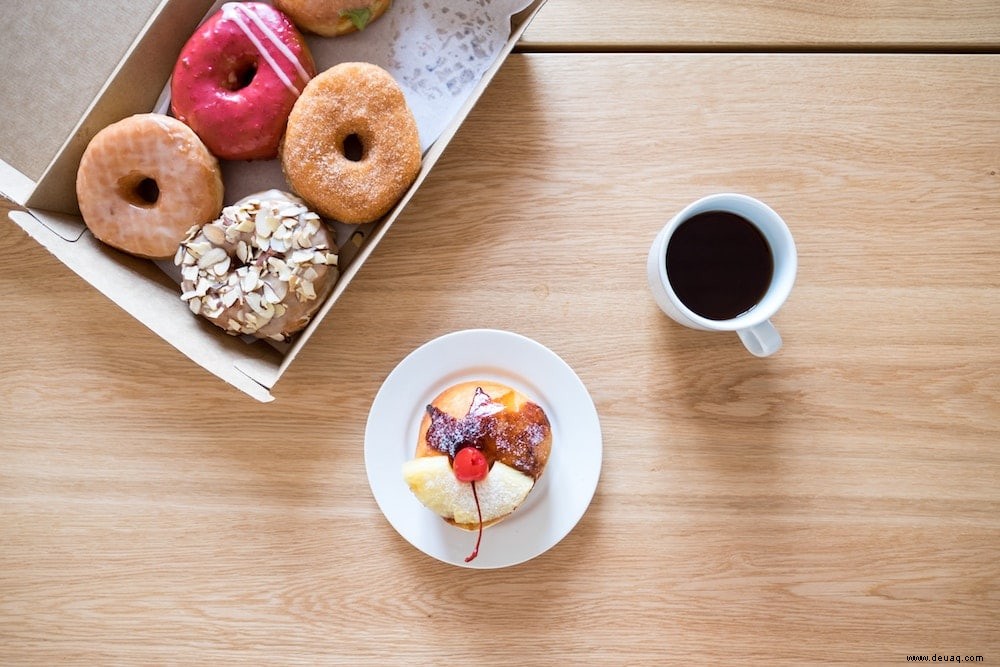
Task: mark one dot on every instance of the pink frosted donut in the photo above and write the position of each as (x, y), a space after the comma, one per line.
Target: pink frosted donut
(238, 77)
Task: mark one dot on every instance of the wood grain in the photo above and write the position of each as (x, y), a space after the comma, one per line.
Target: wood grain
(839, 502)
(893, 25)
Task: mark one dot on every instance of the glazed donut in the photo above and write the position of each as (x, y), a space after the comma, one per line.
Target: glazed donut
(351, 148)
(508, 431)
(142, 183)
(263, 268)
(237, 78)
(331, 18)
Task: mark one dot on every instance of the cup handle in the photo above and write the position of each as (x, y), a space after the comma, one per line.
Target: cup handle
(762, 340)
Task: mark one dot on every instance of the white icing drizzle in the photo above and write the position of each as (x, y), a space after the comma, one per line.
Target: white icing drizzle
(235, 11)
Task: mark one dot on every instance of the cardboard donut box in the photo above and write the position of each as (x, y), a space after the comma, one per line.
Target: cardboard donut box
(128, 67)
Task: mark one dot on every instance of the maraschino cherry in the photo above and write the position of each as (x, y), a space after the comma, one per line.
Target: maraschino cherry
(470, 466)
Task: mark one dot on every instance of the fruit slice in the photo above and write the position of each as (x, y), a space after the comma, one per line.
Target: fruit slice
(432, 481)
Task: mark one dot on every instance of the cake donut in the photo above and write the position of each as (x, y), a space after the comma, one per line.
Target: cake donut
(480, 449)
(332, 18)
(143, 181)
(263, 268)
(351, 148)
(237, 78)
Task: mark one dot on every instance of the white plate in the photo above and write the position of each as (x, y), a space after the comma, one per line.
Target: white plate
(561, 495)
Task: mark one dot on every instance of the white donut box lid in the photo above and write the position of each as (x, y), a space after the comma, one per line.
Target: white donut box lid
(126, 52)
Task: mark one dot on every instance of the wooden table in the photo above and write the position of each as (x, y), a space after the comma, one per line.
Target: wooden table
(839, 502)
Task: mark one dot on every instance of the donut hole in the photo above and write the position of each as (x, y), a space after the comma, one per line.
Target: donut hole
(241, 75)
(353, 148)
(147, 191)
(140, 190)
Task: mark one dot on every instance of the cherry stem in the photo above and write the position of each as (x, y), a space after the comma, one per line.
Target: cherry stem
(475, 551)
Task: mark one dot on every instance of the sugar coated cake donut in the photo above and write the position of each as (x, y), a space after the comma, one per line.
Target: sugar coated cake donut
(352, 147)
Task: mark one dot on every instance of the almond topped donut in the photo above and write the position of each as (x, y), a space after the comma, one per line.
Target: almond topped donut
(264, 268)
(332, 18)
(481, 448)
(144, 181)
(351, 148)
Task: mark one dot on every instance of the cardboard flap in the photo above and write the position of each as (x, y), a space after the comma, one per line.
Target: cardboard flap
(67, 227)
(140, 288)
(13, 184)
(57, 56)
(133, 87)
(262, 371)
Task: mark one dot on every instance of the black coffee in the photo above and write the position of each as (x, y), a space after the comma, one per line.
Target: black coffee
(719, 264)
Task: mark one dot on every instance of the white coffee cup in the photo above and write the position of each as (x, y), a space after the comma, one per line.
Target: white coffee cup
(753, 326)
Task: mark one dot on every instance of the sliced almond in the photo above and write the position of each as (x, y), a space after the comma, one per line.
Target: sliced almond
(251, 280)
(253, 300)
(232, 234)
(214, 234)
(261, 228)
(269, 294)
(212, 257)
(266, 312)
(292, 210)
(280, 290)
(230, 297)
(189, 272)
(199, 248)
(306, 290)
(211, 307)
